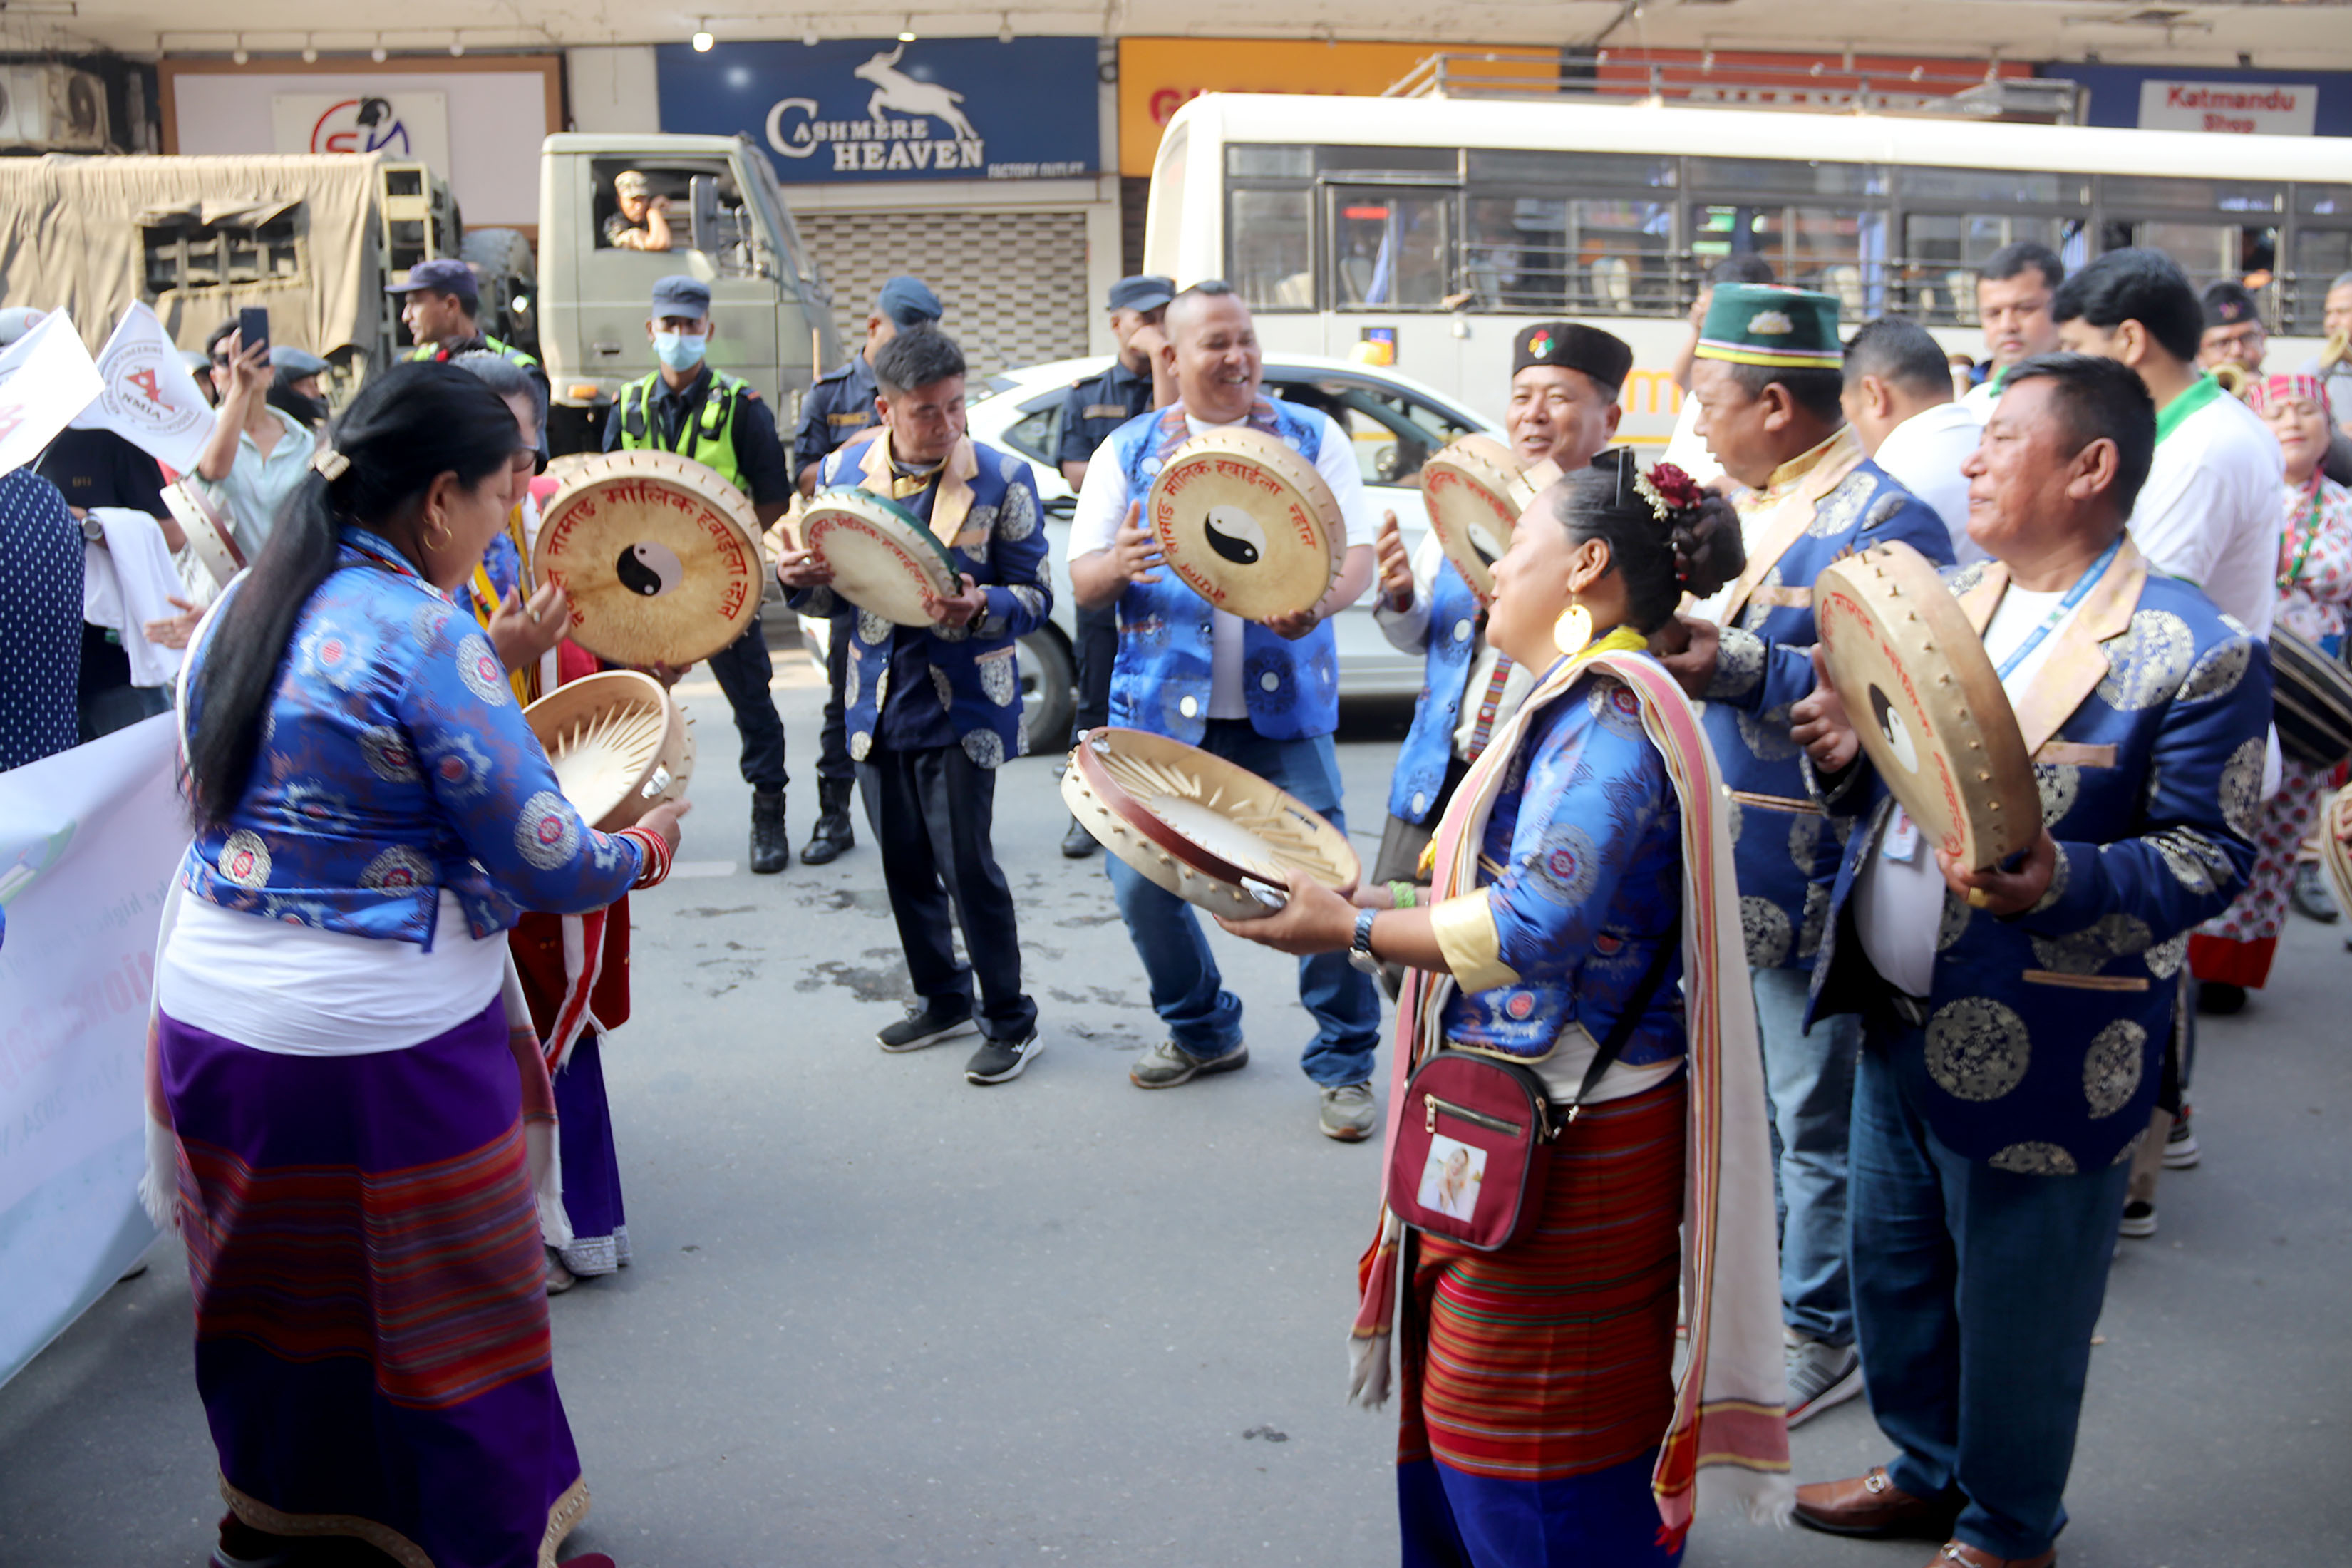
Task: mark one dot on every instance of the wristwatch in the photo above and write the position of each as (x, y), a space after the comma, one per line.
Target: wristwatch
(1359, 952)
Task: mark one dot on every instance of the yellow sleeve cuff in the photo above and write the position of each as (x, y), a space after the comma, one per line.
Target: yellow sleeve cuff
(1465, 933)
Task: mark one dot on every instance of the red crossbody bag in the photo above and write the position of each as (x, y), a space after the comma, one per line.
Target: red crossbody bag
(1474, 1135)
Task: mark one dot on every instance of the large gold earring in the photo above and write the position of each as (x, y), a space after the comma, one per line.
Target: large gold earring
(1573, 630)
(438, 534)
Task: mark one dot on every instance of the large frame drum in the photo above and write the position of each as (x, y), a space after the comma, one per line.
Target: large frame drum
(659, 555)
(1247, 523)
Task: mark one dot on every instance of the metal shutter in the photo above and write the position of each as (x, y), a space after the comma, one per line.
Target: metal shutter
(1014, 284)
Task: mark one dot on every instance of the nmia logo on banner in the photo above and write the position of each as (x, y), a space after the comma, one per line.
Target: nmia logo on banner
(897, 133)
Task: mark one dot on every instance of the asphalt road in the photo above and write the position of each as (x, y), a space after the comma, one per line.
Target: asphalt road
(879, 1315)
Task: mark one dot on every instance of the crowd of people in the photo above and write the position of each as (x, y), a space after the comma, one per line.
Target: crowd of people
(1826, 1111)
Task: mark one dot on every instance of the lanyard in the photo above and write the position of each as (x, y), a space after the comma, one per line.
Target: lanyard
(2074, 595)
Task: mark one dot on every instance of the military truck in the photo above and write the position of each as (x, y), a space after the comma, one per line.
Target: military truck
(314, 238)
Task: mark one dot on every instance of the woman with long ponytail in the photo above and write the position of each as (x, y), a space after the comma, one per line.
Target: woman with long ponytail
(331, 1071)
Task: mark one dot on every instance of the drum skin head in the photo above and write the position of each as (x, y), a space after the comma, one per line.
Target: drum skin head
(1197, 824)
(2334, 823)
(659, 555)
(884, 558)
(1926, 703)
(210, 538)
(1247, 523)
(618, 743)
(1475, 490)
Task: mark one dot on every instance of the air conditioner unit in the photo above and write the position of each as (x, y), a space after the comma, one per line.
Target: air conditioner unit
(52, 108)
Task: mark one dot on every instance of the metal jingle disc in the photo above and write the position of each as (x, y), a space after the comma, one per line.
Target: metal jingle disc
(659, 555)
(618, 742)
(1247, 523)
(1475, 489)
(884, 558)
(1926, 703)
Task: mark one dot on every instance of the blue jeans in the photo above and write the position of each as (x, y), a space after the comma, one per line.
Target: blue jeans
(1975, 1312)
(1810, 1078)
(1187, 991)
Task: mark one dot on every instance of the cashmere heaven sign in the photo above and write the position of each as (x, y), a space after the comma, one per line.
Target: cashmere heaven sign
(89, 842)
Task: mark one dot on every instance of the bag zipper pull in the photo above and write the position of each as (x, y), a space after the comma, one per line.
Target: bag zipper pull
(1429, 1121)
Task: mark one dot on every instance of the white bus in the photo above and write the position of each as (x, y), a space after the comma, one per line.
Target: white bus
(1445, 226)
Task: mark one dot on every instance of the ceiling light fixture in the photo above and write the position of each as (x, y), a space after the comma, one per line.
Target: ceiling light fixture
(239, 54)
(456, 46)
(907, 33)
(702, 38)
(309, 50)
(1004, 29)
(377, 53)
(808, 33)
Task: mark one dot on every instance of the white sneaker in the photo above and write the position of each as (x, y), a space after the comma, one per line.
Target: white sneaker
(1820, 1375)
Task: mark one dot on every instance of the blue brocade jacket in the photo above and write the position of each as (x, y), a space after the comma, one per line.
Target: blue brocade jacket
(1448, 645)
(1161, 681)
(2045, 1032)
(394, 763)
(972, 672)
(1782, 850)
(1582, 867)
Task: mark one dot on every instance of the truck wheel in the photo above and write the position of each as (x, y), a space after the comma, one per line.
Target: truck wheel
(1049, 695)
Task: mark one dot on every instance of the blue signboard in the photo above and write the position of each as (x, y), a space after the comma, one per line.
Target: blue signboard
(2116, 92)
(868, 110)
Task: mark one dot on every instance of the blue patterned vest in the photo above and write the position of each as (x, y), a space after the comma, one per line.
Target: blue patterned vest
(1160, 682)
(1451, 643)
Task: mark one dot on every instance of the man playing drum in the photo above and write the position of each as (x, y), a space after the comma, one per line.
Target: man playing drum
(1564, 384)
(934, 711)
(2013, 1019)
(1262, 696)
(1767, 380)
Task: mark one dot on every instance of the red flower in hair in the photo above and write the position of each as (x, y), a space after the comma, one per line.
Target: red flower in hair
(1668, 490)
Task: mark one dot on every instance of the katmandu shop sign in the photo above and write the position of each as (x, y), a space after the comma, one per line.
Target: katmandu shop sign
(2231, 108)
(879, 109)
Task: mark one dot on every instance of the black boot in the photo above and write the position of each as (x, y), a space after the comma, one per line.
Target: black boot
(1077, 843)
(772, 846)
(832, 834)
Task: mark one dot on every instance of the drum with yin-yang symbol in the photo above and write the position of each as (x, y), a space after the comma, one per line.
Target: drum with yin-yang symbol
(1246, 524)
(659, 555)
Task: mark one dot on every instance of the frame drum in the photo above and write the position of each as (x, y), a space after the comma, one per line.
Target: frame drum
(659, 555)
(1475, 490)
(619, 745)
(1247, 523)
(884, 558)
(2334, 823)
(1924, 699)
(1200, 827)
(212, 546)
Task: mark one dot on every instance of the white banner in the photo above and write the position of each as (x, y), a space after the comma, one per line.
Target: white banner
(2230, 108)
(46, 378)
(146, 394)
(89, 842)
(396, 122)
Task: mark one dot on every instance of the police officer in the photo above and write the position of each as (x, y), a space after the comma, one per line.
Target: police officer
(836, 410)
(440, 310)
(687, 407)
(1093, 409)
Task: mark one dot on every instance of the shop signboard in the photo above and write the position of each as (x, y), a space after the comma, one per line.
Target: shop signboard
(879, 109)
(2230, 108)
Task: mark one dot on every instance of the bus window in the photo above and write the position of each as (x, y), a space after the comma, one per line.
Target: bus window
(1941, 253)
(1389, 248)
(1837, 250)
(1530, 253)
(2208, 252)
(1269, 246)
(2323, 252)
(1787, 176)
(1513, 256)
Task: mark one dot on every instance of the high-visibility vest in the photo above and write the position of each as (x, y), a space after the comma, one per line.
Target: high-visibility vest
(710, 438)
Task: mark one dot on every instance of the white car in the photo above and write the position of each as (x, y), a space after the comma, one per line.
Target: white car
(1395, 421)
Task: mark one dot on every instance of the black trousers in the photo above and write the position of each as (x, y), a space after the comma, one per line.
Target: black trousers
(1097, 651)
(932, 812)
(743, 669)
(832, 763)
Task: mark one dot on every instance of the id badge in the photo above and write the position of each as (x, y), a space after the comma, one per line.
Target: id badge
(1901, 842)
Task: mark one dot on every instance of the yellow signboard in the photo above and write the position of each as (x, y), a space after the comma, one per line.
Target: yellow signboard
(1158, 76)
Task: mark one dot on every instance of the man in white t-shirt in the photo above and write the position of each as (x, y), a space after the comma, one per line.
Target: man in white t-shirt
(1898, 398)
(1263, 695)
(2210, 510)
(2013, 293)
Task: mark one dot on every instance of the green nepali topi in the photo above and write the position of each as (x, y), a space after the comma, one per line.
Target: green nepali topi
(1763, 324)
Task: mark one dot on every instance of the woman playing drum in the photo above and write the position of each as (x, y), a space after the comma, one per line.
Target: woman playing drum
(330, 1069)
(2315, 587)
(1541, 1420)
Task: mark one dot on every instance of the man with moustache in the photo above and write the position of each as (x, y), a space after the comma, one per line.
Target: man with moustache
(2014, 290)
(1564, 384)
(1264, 696)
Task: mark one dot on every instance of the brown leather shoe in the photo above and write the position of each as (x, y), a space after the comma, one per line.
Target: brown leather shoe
(1873, 1505)
(1961, 1554)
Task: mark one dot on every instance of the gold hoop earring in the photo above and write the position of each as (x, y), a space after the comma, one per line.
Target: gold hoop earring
(438, 536)
(1573, 630)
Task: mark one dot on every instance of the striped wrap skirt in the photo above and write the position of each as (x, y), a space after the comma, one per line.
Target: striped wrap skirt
(1537, 1382)
(371, 1330)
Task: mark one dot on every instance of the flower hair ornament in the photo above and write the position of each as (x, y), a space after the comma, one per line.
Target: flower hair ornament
(331, 464)
(1668, 490)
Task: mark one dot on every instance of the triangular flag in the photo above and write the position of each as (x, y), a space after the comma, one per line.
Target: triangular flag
(149, 398)
(46, 378)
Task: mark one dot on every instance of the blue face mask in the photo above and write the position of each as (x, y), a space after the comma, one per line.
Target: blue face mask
(679, 351)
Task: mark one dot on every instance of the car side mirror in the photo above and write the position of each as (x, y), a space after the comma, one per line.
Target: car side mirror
(702, 200)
